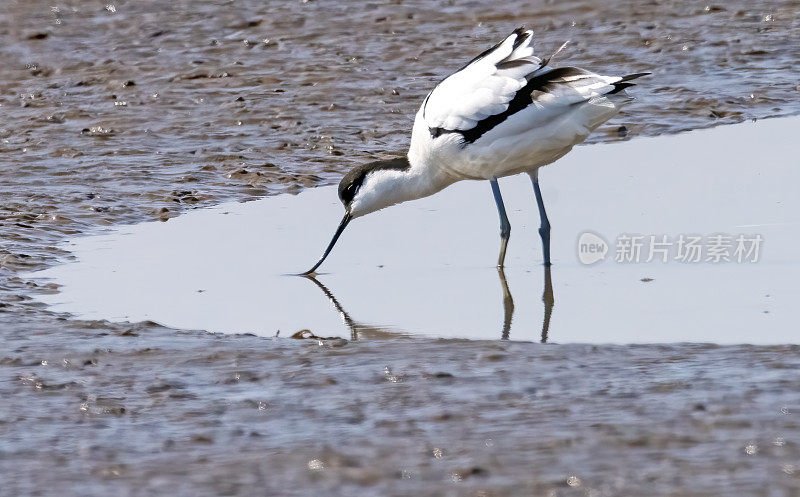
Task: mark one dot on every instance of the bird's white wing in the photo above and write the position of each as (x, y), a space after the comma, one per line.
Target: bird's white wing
(508, 80)
(484, 87)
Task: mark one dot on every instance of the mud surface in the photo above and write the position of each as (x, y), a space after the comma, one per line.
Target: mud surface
(117, 112)
(143, 410)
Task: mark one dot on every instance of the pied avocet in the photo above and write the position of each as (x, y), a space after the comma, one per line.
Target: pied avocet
(505, 112)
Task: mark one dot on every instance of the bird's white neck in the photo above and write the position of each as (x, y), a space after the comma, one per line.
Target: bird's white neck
(384, 188)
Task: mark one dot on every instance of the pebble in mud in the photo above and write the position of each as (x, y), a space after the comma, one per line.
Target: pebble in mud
(97, 131)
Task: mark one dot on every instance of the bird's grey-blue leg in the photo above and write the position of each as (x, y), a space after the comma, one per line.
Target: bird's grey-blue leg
(544, 228)
(505, 226)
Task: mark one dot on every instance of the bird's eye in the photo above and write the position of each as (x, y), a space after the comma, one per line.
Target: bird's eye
(349, 192)
(352, 190)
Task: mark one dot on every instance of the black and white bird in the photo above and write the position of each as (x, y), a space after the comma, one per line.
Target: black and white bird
(505, 112)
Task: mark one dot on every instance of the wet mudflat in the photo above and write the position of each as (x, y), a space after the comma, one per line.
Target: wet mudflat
(142, 410)
(364, 405)
(120, 112)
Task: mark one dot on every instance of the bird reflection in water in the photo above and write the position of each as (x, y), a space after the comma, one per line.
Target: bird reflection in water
(360, 330)
(357, 330)
(549, 301)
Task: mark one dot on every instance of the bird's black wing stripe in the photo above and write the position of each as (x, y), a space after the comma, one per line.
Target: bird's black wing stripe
(520, 32)
(519, 40)
(537, 85)
(634, 76)
(623, 83)
(511, 64)
(521, 37)
(425, 104)
(619, 86)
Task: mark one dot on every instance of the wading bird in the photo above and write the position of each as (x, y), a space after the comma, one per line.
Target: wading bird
(506, 112)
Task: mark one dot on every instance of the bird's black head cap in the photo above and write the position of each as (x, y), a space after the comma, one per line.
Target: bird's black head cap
(352, 181)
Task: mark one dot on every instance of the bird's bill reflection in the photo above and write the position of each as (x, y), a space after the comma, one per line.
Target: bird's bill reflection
(357, 330)
(360, 330)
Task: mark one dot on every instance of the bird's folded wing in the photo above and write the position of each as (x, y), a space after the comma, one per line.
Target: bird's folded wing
(508, 79)
(484, 87)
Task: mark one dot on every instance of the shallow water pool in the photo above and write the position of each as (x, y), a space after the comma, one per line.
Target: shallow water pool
(427, 267)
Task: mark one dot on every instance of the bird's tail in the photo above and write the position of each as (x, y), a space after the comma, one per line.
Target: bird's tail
(625, 82)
